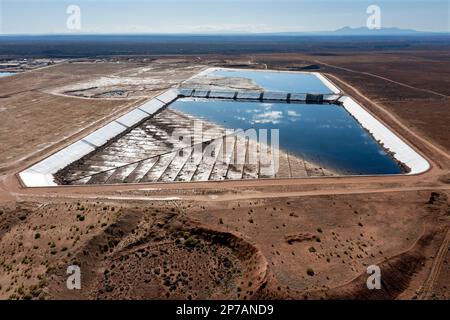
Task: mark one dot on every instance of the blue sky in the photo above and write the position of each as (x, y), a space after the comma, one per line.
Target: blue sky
(216, 16)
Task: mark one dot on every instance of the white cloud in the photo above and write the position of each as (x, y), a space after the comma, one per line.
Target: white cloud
(204, 28)
(233, 27)
(268, 117)
(293, 113)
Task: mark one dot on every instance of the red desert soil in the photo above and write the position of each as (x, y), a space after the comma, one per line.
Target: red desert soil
(295, 238)
(224, 249)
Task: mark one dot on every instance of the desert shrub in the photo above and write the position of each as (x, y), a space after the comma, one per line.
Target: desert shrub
(191, 242)
(310, 272)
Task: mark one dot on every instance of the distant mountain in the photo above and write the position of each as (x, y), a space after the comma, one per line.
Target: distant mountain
(364, 31)
(357, 31)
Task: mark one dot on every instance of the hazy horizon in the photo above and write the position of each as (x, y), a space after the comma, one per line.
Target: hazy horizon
(197, 17)
(327, 33)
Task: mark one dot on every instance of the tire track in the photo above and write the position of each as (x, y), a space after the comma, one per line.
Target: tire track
(427, 287)
(383, 78)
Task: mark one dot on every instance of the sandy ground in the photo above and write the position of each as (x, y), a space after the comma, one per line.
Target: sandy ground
(139, 82)
(275, 238)
(41, 117)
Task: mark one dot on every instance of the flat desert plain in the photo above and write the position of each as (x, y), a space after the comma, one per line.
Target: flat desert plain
(248, 239)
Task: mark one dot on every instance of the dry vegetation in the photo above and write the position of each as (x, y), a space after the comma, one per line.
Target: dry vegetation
(269, 239)
(288, 247)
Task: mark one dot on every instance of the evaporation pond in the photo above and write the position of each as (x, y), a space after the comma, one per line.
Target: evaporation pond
(280, 81)
(326, 134)
(6, 74)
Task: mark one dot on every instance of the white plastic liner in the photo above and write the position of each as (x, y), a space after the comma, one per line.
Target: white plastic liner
(200, 93)
(327, 82)
(133, 117)
(186, 92)
(168, 96)
(402, 152)
(248, 95)
(298, 96)
(222, 94)
(152, 106)
(102, 135)
(32, 179)
(331, 97)
(275, 96)
(41, 174)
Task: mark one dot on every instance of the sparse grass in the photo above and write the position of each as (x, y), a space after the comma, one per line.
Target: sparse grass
(191, 242)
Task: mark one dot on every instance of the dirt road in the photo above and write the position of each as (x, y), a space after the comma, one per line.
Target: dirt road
(383, 78)
(216, 194)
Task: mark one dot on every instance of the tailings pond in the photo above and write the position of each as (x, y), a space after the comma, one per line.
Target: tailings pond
(325, 134)
(279, 81)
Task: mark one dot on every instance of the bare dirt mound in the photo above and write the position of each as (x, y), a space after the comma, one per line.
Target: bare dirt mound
(445, 178)
(157, 256)
(11, 216)
(397, 273)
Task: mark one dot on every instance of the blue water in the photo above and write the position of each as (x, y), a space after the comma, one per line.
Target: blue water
(326, 134)
(280, 81)
(6, 74)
